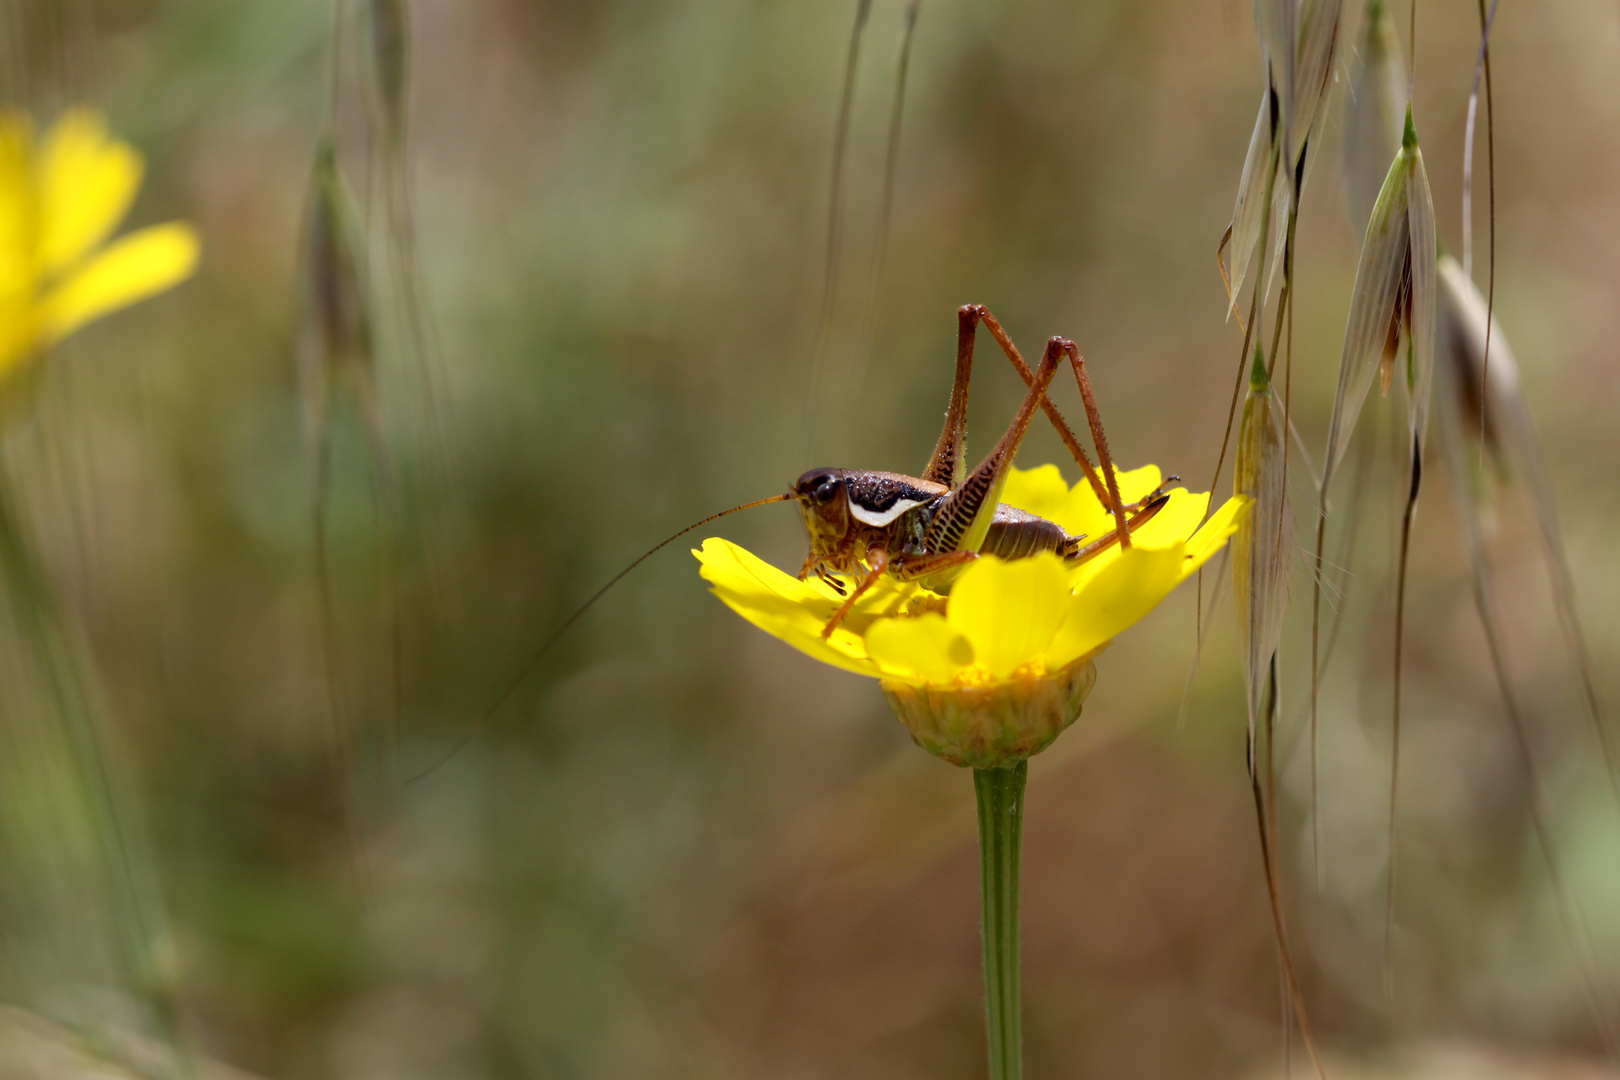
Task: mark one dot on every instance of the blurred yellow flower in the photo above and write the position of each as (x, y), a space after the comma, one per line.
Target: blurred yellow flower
(60, 199)
(1003, 621)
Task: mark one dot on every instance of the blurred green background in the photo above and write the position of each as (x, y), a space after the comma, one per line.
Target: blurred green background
(684, 850)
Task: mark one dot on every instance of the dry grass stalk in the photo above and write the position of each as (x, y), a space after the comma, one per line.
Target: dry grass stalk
(1261, 553)
(94, 841)
(1392, 315)
(1512, 449)
(389, 24)
(835, 222)
(1503, 422)
(337, 354)
(891, 169)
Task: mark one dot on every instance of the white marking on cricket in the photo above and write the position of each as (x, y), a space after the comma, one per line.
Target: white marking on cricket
(885, 517)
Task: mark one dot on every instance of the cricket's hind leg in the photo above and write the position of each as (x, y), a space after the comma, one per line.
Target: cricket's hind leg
(962, 517)
(1059, 424)
(1152, 495)
(947, 465)
(1078, 363)
(1077, 552)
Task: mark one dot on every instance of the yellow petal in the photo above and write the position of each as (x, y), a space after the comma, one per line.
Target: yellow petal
(1093, 518)
(925, 649)
(16, 337)
(1132, 585)
(1137, 484)
(1209, 538)
(1009, 610)
(783, 606)
(1041, 491)
(137, 266)
(86, 183)
(1175, 521)
(18, 213)
(1122, 590)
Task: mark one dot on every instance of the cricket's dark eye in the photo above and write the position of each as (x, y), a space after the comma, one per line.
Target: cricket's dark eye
(826, 488)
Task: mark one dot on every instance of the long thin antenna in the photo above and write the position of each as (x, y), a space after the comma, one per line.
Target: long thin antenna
(540, 653)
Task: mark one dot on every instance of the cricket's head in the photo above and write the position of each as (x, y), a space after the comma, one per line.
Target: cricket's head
(823, 498)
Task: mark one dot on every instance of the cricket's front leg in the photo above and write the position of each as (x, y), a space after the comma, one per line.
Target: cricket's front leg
(877, 560)
(928, 569)
(963, 516)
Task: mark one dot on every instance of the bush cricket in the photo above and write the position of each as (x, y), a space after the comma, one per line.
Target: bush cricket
(862, 524)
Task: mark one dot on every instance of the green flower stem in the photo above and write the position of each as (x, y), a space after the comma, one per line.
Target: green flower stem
(1001, 826)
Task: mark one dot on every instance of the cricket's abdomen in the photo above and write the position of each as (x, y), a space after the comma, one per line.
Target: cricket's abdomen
(1018, 534)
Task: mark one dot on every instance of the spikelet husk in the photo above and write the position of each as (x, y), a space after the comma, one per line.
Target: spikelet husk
(1423, 302)
(1264, 543)
(1243, 232)
(1299, 77)
(1276, 25)
(1372, 122)
(1392, 310)
(1313, 69)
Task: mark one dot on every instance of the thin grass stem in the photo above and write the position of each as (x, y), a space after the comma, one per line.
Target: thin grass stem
(1395, 718)
(1274, 892)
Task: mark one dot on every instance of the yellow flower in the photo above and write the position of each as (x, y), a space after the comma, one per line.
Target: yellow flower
(59, 201)
(1010, 635)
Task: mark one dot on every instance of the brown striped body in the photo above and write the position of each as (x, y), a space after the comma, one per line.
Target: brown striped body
(851, 512)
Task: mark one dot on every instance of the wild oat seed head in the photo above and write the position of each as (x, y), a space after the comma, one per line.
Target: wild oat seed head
(335, 288)
(1392, 310)
(1299, 47)
(1262, 547)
